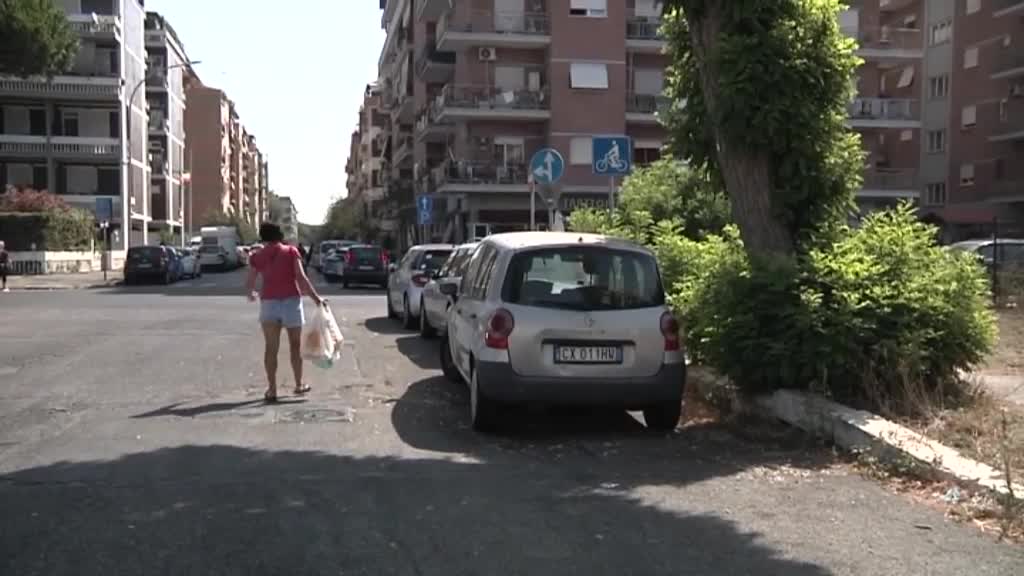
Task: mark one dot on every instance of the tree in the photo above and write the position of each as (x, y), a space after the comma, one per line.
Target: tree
(342, 221)
(35, 38)
(669, 189)
(17, 199)
(766, 86)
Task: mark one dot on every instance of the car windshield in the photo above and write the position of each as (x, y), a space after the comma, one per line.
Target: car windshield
(147, 252)
(583, 278)
(366, 253)
(209, 250)
(433, 260)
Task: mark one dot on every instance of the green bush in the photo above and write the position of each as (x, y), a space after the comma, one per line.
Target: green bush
(59, 230)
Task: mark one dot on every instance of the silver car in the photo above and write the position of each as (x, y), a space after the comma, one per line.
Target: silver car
(433, 304)
(561, 318)
(407, 279)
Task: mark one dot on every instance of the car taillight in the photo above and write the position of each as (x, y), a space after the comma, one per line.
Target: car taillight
(670, 330)
(421, 280)
(384, 258)
(350, 257)
(499, 328)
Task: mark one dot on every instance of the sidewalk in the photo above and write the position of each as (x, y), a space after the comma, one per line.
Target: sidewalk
(64, 281)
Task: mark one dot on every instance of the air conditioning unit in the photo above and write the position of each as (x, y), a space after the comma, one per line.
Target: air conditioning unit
(487, 54)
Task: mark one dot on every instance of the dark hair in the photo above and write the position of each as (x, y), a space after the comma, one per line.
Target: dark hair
(270, 232)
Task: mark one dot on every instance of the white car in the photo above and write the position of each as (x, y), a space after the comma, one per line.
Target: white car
(190, 266)
(433, 303)
(408, 277)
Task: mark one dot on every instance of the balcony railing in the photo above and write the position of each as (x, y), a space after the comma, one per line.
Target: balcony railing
(876, 179)
(94, 24)
(1006, 190)
(480, 172)
(643, 28)
(22, 144)
(495, 22)
(887, 38)
(430, 55)
(1007, 7)
(1009, 125)
(647, 103)
(492, 97)
(904, 109)
(1009, 63)
(59, 145)
(63, 86)
(403, 147)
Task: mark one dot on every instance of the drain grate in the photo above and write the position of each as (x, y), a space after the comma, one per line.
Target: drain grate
(315, 415)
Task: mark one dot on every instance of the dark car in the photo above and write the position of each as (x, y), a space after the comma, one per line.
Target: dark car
(365, 264)
(151, 263)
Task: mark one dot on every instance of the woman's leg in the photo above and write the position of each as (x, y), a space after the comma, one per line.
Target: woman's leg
(295, 349)
(272, 345)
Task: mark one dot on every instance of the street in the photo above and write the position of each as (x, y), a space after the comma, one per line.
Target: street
(133, 440)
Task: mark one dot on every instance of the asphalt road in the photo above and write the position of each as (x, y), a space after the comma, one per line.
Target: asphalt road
(132, 441)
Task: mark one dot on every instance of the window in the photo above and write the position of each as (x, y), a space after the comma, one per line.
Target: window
(509, 151)
(509, 77)
(474, 283)
(583, 278)
(114, 124)
(37, 122)
(935, 194)
(906, 135)
(910, 21)
(967, 174)
(938, 87)
(588, 75)
(969, 116)
(581, 151)
(40, 179)
(971, 57)
(936, 140)
(972, 6)
(432, 260)
(941, 32)
(644, 155)
(648, 81)
(591, 8)
(906, 77)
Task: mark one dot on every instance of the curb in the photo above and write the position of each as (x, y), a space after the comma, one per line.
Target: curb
(63, 287)
(857, 431)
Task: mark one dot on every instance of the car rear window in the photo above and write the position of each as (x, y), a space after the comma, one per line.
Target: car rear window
(210, 250)
(367, 252)
(583, 278)
(147, 252)
(433, 260)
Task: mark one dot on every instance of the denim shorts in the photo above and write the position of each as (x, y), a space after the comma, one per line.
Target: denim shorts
(287, 312)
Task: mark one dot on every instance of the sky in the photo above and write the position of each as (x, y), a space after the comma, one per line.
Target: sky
(296, 72)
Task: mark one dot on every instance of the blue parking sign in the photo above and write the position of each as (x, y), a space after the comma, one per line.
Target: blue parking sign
(424, 209)
(613, 155)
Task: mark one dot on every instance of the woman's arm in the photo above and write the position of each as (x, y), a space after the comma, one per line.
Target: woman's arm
(250, 284)
(304, 284)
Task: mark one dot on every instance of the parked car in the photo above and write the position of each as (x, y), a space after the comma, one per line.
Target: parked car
(323, 248)
(216, 256)
(151, 263)
(1011, 251)
(434, 304)
(332, 264)
(364, 264)
(408, 277)
(559, 318)
(190, 263)
(243, 255)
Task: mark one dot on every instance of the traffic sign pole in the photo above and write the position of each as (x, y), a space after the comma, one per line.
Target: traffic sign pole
(533, 205)
(611, 194)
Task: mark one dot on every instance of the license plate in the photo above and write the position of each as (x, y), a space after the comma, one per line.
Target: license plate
(366, 267)
(144, 265)
(588, 355)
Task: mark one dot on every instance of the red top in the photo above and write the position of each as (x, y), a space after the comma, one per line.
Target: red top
(276, 264)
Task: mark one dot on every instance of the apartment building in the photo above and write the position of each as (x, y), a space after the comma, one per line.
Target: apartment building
(165, 95)
(939, 108)
(71, 135)
(289, 218)
(474, 88)
(208, 145)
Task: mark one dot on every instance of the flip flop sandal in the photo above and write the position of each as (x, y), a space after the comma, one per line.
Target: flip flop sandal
(303, 390)
(269, 398)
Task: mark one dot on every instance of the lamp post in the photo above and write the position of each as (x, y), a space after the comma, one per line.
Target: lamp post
(128, 128)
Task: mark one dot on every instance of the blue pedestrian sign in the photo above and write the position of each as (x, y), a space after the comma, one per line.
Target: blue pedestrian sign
(612, 155)
(424, 209)
(546, 166)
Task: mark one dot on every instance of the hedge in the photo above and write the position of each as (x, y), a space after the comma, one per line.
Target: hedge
(54, 231)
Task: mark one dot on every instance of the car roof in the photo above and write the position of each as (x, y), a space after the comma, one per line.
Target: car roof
(434, 247)
(467, 246)
(523, 240)
(971, 244)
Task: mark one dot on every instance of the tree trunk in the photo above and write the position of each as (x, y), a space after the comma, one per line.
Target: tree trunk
(746, 171)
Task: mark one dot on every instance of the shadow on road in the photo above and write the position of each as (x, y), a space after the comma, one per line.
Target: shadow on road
(176, 409)
(424, 353)
(228, 510)
(190, 289)
(385, 326)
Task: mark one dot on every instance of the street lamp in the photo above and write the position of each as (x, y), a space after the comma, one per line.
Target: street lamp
(128, 127)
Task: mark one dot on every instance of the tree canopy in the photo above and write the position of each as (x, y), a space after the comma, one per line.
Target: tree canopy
(35, 38)
(671, 190)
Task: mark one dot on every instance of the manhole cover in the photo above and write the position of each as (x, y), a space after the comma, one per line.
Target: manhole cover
(313, 415)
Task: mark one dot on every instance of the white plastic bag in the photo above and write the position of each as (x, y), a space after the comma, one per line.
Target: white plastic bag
(322, 339)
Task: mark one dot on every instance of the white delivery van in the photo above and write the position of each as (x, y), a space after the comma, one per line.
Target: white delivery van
(220, 247)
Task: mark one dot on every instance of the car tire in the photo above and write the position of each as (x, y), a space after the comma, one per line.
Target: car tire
(483, 412)
(663, 417)
(426, 330)
(408, 321)
(451, 372)
(392, 315)
(167, 278)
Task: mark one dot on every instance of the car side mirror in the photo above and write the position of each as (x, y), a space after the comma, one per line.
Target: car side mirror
(448, 288)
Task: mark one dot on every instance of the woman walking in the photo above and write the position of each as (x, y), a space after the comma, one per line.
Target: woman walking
(284, 282)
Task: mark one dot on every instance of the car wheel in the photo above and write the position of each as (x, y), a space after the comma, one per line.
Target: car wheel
(663, 417)
(426, 330)
(483, 411)
(451, 372)
(408, 321)
(392, 315)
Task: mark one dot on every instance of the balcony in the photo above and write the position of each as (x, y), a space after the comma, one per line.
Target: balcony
(645, 108)
(21, 145)
(642, 35)
(479, 176)
(491, 103)
(156, 79)
(881, 183)
(404, 149)
(894, 5)
(434, 66)
(432, 9)
(63, 87)
(1009, 123)
(884, 113)
(1009, 63)
(486, 28)
(1007, 7)
(98, 26)
(60, 146)
(159, 126)
(1006, 191)
(887, 43)
(428, 129)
